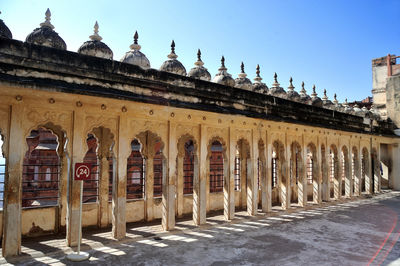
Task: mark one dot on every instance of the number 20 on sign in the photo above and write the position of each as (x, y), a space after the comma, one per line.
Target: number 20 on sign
(82, 171)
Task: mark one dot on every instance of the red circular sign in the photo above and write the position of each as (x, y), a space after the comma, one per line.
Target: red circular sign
(82, 171)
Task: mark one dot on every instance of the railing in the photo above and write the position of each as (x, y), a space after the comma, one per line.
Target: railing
(217, 175)
(157, 171)
(135, 181)
(237, 173)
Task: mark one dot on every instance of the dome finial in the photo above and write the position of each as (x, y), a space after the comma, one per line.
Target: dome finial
(96, 36)
(135, 38)
(223, 62)
(47, 22)
(242, 67)
(276, 83)
(291, 87)
(172, 55)
(199, 62)
(135, 46)
(258, 71)
(335, 101)
(325, 98)
(314, 93)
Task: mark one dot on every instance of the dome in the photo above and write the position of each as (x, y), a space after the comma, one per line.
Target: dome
(326, 102)
(172, 65)
(346, 108)
(242, 82)
(223, 77)
(135, 56)
(304, 97)
(259, 86)
(315, 100)
(357, 110)
(199, 72)
(276, 90)
(46, 36)
(291, 93)
(95, 47)
(4, 30)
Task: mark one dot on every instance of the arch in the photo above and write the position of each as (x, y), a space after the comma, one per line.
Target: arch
(345, 182)
(355, 171)
(312, 171)
(278, 174)
(135, 178)
(334, 172)
(43, 148)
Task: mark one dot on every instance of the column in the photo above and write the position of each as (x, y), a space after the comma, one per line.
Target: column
(120, 175)
(263, 178)
(78, 152)
(168, 194)
(302, 183)
(267, 199)
(199, 180)
(357, 173)
(103, 185)
(284, 178)
(149, 187)
(12, 192)
(348, 174)
(395, 173)
(179, 184)
(317, 175)
(252, 187)
(368, 173)
(229, 178)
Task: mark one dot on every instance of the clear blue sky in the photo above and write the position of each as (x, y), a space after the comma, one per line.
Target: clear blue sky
(329, 43)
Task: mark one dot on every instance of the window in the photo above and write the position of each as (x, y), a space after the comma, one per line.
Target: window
(188, 168)
(91, 186)
(237, 170)
(158, 170)
(216, 168)
(41, 170)
(309, 169)
(135, 181)
(274, 170)
(2, 174)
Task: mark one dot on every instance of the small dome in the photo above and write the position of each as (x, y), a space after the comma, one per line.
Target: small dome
(135, 56)
(259, 86)
(336, 105)
(326, 102)
(374, 113)
(199, 72)
(346, 108)
(95, 47)
(315, 100)
(46, 36)
(276, 90)
(172, 65)
(357, 110)
(291, 93)
(223, 77)
(4, 30)
(364, 110)
(304, 97)
(242, 82)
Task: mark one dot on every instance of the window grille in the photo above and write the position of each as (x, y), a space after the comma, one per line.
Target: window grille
(188, 168)
(216, 168)
(157, 170)
(135, 181)
(237, 173)
(91, 185)
(274, 170)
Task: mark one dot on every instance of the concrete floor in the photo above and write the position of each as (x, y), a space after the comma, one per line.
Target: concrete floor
(356, 232)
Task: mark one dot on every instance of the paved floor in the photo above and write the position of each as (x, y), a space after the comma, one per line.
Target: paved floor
(357, 232)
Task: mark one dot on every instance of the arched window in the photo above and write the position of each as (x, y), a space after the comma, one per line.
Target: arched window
(41, 170)
(188, 168)
(91, 186)
(158, 169)
(274, 169)
(2, 173)
(237, 170)
(216, 168)
(135, 173)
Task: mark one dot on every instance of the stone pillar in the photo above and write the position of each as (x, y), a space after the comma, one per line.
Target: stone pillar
(169, 181)
(357, 173)
(337, 180)
(149, 187)
(103, 188)
(284, 177)
(267, 199)
(317, 175)
(252, 187)
(264, 179)
(79, 147)
(395, 173)
(378, 186)
(368, 174)
(302, 183)
(229, 178)
(199, 180)
(120, 167)
(348, 174)
(180, 185)
(12, 191)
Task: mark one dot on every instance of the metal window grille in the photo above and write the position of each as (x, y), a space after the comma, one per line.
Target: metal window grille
(237, 173)
(216, 172)
(2, 178)
(274, 170)
(310, 170)
(91, 186)
(188, 172)
(157, 170)
(135, 181)
(40, 186)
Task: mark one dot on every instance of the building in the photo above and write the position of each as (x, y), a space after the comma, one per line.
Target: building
(164, 143)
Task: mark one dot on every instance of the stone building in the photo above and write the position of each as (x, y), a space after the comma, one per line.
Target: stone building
(164, 144)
